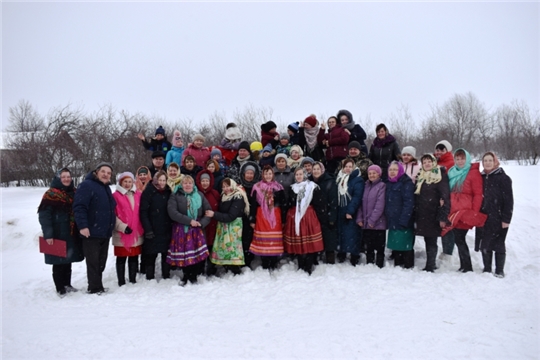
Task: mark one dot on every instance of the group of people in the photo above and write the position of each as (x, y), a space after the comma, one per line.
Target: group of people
(312, 194)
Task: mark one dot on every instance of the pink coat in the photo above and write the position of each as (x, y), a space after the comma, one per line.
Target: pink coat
(127, 214)
(201, 155)
(412, 169)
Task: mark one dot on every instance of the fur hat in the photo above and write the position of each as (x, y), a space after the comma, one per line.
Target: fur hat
(158, 153)
(293, 127)
(269, 125)
(198, 137)
(103, 163)
(409, 150)
(355, 144)
(160, 130)
(124, 175)
(445, 144)
(311, 120)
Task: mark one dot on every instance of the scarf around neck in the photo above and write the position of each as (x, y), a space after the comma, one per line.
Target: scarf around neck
(432, 176)
(311, 137)
(457, 175)
(194, 202)
(304, 191)
(238, 192)
(264, 192)
(380, 143)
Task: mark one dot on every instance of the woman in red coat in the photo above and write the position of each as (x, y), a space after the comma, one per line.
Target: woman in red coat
(205, 184)
(336, 142)
(466, 192)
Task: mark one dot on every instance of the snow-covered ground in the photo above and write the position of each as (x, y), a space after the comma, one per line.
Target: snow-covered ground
(339, 312)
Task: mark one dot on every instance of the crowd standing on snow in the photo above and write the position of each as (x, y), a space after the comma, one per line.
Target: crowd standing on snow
(313, 193)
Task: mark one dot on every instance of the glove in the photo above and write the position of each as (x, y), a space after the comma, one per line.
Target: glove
(128, 230)
(149, 235)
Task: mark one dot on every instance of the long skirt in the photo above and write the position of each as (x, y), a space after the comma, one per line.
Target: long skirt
(227, 248)
(187, 248)
(267, 240)
(132, 251)
(309, 240)
(400, 240)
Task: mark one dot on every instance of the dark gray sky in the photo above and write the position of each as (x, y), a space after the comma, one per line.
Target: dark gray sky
(189, 60)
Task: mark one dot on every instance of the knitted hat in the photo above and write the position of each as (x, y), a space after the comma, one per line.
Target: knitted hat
(256, 145)
(124, 175)
(444, 143)
(158, 153)
(279, 156)
(198, 137)
(268, 148)
(142, 170)
(285, 136)
(177, 138)
(269, 125)
(355, 144)
(375, 168)
(293, 127)
(311, 120)
(103, 163)
(205, 176)
(249, 167)
(245, 145)
(160, 130)
(307, 159)
(409, 150)
(215, 151)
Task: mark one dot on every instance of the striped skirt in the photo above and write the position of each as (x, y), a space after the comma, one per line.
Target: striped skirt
(267, 240)
(310, 238)
(187, 248)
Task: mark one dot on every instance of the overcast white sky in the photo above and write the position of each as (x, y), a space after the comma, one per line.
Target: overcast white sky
(188, 60)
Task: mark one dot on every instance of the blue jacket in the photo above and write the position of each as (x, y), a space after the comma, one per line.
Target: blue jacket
(174, 155)
(94, 206)
(349, 233)
(400, 204)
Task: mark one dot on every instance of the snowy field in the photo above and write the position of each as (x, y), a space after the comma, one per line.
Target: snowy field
(339, 312)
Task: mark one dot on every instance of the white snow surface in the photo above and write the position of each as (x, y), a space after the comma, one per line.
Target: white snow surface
(339, 312)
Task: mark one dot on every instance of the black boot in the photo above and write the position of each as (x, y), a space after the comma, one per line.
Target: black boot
(398, 258)
(121, 273)
(500, 259)
(58, 278)
(408, 259)
(370, 256)
(330, 257)
(431, 254)
(133, 264)
(355, 259)
(309, 262)
(302, 262)
(341, 257)
(487, 258)
(150, 271)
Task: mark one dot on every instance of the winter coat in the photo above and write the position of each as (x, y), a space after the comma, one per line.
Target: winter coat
(55, 221)
(498, 205)
(269, 160)
(155, 219)
(316, 153)
(193, 172)
(357, 133)
(384, 155)
(234, 169)
(230, 210)
(157, 145)
(247, 220)
(218, 178)
(177, 208)
(325, 203)
(268, 138)
(399, 204)
(428, 210)
(348, 229)
(338, 141)
(127, 214)
(174, 155)
(362, 162)
(94, 207)
(412, 169)
(371, 212)
(213, 197)
(465, 204)
(201, 155)
(446, 160)
(285, 178)
(227, 154)
(153, 170)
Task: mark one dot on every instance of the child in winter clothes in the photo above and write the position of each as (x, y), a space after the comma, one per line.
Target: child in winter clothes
(269, 134)
(214, 168)
(371, 216)
(233, 137)
(215, 154)
(159, 142)
(292, 131)
(128, 234)
(177, 149)
(268, 156)
(284, 146)
(200, 153)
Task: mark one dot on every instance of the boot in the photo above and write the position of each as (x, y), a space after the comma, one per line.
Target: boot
(132, 270)
(431, 255)
(379, 259)
(487, 258)
(302, 262)
(398, 258)
(370, 256)
(121, 273)
(341, 257)
(500, 259)
(165, 268)
(355, 259)
(330, 257)
(408, 259)
(150, 272)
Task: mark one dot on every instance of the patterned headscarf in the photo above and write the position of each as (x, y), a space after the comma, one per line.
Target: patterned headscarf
(432, 176)
(457, 175)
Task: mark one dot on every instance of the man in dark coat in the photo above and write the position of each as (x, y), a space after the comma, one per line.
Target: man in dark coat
(93, 208)
(158, 163)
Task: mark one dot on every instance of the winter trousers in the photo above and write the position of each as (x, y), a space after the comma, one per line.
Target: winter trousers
(431, 253)
(269, 262)
(149, 261)
(133, 264)
(61, 276)
(404, 258)
(448, 242)
(95, 251)
(463, 250)
(500, 259)
(375, 241)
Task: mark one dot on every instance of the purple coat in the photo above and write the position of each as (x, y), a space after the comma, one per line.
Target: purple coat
(371, 212)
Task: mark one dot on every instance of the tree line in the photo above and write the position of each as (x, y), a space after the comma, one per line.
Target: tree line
(37, 145)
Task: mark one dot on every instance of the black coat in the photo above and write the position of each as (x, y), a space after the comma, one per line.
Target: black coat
(325, 203)
(384, 156)
(94, 207)
(155, 145)
(399, 204)
(155, 218)
(498, 205)
(230, 210)
(316, 153)
(428, 209)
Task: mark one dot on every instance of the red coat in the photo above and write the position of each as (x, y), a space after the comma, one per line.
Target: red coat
(213, 197)
(267, 137)
(227, 154)
(338, 141)
(465, 204)
(201, 155)
(446, 160)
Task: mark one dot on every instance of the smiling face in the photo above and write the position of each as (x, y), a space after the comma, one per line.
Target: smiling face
(407, 158)
(354, 152)
(381, 134)
(243, 153)
(198, 143)
(393, 171)
(249, 175)
(211, 167)
(316, 171)
(162, 181)
(299, 175)
(344, 119)
(427, 164)
(268, 175)
(65, 178)
(331, 122)
(104, 174)
(127, 183)
(373, 175)
(281, 163)
(172, 171)
(187, 185)
(308, 167)
(460, 161)
(348, 168)
(158, 162)
(143, 177)
(488, 162)
(227, 189)
(295, 155)
(205, 183)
